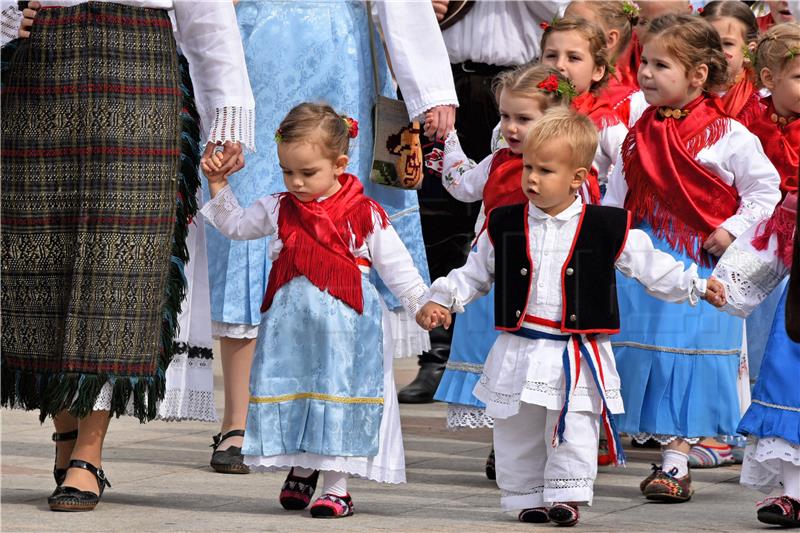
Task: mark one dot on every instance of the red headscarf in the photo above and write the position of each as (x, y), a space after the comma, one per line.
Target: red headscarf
(781, 143)
(316, 240)
(668, 188)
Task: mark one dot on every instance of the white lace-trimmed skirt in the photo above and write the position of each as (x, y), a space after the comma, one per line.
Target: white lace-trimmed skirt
(764, 460)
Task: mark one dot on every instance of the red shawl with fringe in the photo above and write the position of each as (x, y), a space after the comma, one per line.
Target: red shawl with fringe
(504, 186)
(780, 143)
(742, 99)
(316, 240)
(598, 109)
(782, 224)
(627, 65)
(668, 188)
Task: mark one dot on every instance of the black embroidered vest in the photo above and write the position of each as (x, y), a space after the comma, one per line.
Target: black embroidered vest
(588, 279)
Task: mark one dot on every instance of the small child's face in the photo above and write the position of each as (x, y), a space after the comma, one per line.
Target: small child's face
(731, 32)
(785, 87)
(569, 52)
(781, 11)
(308, 172)
(517, 115)
(663, 79)
(550, 180)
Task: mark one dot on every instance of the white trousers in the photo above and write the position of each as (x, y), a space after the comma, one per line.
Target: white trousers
(530, 472)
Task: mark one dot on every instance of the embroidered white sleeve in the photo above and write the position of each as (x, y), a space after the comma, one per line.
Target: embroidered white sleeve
(462, 177)
(10, 19)
(748, 278)
(224, 213)
(414, 298)
(464, 284)
(235, 124)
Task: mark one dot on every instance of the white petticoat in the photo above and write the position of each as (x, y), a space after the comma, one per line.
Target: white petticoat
(467, 416)
(762, 468)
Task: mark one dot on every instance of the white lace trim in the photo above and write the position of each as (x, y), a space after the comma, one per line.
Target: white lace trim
(10, 20)
(235, 124)
(414, 298)
(663, 440)
(233, 331)
(569, 483)
(763, 463)
(407, 338)
(748, 214)
(515, 494)
(548, 389)
(355, 466)
(464, 416)
(747, 279)
(223, 206)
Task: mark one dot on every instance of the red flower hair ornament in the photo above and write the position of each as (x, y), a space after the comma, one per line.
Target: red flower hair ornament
(352, 126)
(561, 87)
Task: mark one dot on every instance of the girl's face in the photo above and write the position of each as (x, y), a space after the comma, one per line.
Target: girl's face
(569, 52)
(664, 80)
(732, 32)
(517, 115)
(785, 87)
(308, 173)
(780, 11)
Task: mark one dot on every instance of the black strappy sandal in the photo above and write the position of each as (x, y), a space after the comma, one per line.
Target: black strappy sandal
(230, 460)
(72, 499)
(61, 473)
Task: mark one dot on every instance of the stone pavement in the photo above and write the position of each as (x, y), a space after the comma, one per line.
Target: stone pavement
(162, 483)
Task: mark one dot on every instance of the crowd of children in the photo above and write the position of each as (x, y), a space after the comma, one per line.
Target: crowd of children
(641, 160)
(649, 158)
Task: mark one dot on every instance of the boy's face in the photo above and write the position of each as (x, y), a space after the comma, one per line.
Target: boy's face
(550, 180)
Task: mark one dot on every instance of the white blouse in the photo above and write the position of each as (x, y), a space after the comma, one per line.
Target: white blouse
(739, 160)
(608, 148)
(500, 32)
(383, 247)
(208, 35)
(418, 55)
(531, 371)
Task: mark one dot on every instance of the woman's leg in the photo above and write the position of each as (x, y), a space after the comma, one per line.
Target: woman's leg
(237, 358)
(64, 422)
(88, 447)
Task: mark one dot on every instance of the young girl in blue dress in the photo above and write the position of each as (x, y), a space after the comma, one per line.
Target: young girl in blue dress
(694, 179)
(322, 395)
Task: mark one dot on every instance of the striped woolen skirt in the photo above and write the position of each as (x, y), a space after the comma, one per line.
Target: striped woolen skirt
(99, 153)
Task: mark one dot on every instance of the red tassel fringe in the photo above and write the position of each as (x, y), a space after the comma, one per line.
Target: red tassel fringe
(781, 224)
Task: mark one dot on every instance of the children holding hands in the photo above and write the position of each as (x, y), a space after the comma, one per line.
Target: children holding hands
(550, 378)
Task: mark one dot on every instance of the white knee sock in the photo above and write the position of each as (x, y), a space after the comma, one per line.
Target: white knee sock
(677, 460)
(303, 472)
(791, 480)
(334, 483)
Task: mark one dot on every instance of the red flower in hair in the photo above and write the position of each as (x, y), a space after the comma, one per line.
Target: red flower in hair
(352, 127)
(544, 25)
(700, 10)
(549, 85)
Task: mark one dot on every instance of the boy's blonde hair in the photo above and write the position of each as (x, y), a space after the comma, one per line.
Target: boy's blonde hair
(572, 130)
(777, 46)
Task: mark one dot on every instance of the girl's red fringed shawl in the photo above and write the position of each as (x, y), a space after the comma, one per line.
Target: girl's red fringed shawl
(316, 240)
(781, 143)
(682, 200)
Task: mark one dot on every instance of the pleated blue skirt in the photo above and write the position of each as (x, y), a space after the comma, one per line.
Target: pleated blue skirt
(473, 337)
(316, 383)
(678, 364)
(775, 410)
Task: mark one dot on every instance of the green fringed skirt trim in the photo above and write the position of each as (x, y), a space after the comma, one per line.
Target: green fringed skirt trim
(100, 173)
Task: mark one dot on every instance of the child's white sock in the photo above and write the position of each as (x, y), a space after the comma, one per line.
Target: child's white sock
(791, 480)
(334, 483)
(303, 472)
(673, 459)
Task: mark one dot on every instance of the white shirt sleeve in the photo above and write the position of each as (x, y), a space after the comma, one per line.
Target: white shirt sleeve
(461, 177)
(224, 213)
(475, 278)
(661, 274)
(10, 20)
(617, 187)
(418, 55)
(208, 36)
(609, 145)
(749, 275)
(394, 265)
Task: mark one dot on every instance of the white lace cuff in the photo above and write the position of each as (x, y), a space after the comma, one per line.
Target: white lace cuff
(747, 278)
(232, 123)
(221, 207)
(10, 20)
(748, 214)
(414, 298)
(417, 107)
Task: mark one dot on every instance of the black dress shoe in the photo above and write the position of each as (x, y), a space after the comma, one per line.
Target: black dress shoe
(424, 386)
(73, 499)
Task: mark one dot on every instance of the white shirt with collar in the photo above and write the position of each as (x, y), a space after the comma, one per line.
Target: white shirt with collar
(531, 371)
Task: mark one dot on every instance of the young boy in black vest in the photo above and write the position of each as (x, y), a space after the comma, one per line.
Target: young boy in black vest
(550, 379)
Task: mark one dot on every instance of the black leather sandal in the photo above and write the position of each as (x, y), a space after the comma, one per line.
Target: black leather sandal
(230, 460)
(61, 473)
(72, 499)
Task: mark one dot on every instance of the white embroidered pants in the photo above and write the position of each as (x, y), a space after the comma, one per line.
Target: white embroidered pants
(530, 472)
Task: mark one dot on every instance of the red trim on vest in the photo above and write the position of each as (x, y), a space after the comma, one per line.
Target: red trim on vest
(624, 239)
(530, 262)
(564, 269)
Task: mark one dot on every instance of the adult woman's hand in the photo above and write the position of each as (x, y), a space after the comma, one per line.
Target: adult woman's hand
(440, 8)
(439, 121)
(28, 14)
(232, 157)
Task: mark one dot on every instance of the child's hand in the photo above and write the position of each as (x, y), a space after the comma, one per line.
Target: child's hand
(715, 293)
(433, 315)
(28, 14)
(718, 242)
(439, 121)
(212, 167)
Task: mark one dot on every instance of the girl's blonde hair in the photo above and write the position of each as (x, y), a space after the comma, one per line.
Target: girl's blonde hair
(693, 42)
(571, 129)
(777, 46)
(620, 15)
(525, 80)
(316, 123)
(593, 35)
